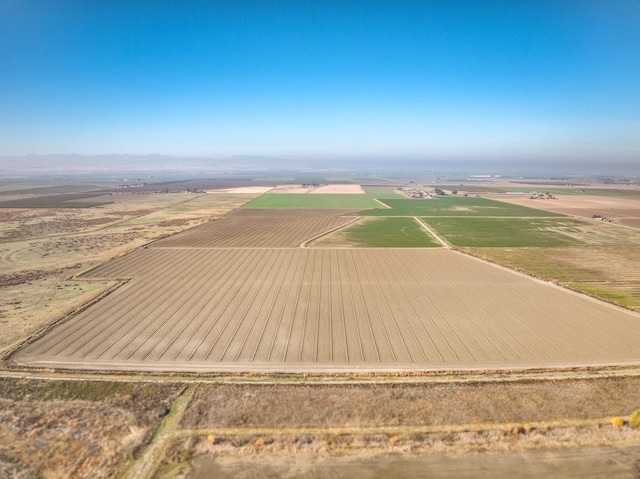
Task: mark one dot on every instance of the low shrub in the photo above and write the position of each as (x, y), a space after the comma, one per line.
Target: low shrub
(634, 419)
(617, 422)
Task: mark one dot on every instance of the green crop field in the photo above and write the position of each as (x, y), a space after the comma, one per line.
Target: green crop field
(276, 200)
(505, 232)
(453, 206)
(388, 233)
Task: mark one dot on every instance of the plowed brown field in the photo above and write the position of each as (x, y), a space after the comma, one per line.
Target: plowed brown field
(302, 309)
(256, 231)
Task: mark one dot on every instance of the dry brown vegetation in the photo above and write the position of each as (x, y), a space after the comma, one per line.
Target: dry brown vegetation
(77, 428)
(265, 424)
(394, 405)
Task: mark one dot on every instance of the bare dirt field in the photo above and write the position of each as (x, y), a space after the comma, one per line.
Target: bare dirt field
(301, 309)
(622, 210)
(255, 231)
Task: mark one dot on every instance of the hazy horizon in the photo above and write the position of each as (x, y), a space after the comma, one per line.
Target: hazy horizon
(509, 83)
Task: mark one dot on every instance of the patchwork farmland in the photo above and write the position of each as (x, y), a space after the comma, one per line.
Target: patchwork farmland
(380, 309)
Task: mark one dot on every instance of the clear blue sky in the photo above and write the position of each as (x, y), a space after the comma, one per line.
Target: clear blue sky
(380, 79)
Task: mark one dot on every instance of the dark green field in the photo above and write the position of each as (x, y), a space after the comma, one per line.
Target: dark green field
(389, 233)
(453, 206)
(505, 232)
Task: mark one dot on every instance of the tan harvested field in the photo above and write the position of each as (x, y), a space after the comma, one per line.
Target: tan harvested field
(622, 210)
(302, 309)
(339, 189)
(255, 231)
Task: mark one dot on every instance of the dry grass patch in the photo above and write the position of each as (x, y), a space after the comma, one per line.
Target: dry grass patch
(411, 405)
(78, 428)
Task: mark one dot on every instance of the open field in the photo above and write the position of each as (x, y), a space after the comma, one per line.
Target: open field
(623, 210)
(503, 232)
(366, 340)
(611, 273)
(320, 189)
(41, 250)
(398, 405)
(292, 200)
(44, 189)
(341, 189)
(303, 429)
(382, 192)
(380, 233)
(67, 200)
(256, 231)
(453, 206)
(307, 309)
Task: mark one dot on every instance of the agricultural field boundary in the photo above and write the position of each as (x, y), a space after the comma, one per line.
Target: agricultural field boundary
(444, 244)
(324, 348)
(325, 233)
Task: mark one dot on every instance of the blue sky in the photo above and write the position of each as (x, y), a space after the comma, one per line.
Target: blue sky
(505, 80)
